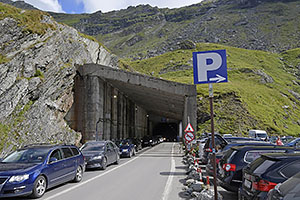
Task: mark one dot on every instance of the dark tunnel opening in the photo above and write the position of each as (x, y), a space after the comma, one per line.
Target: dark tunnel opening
(166, 130)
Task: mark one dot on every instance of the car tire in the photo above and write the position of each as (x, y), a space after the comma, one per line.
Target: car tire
(104, 163)
(118, 160)
(78, 175)
(39, 187)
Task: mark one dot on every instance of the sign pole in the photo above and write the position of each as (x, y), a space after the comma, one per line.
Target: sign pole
(211, 96)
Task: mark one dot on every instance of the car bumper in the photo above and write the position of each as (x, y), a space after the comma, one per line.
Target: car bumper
(14, 190)
(125, 154)
(253, 196)
(93, 164)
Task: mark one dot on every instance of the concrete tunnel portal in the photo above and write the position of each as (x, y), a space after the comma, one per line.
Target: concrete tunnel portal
(114, 104)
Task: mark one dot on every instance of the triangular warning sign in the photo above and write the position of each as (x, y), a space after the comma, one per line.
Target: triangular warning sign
(189, 128)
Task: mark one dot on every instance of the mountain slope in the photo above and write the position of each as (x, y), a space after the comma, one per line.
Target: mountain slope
(145, 31)
(262, 93)
(37, 69)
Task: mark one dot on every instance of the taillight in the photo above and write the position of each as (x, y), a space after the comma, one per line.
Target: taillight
(229, 167)
(208, 150)
(263, 185)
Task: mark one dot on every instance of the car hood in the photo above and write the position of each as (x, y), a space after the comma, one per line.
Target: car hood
(16, 168)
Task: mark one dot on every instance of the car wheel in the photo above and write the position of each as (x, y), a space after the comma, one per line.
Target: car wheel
(39, 187)
(79, 174)
(104, 163)
(118, 160)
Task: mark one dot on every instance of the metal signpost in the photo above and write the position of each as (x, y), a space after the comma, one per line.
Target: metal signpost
(211, 67)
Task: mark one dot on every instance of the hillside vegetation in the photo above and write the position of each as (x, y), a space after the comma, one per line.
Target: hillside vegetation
(262, 93)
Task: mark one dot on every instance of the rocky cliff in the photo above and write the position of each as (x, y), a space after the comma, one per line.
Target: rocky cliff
(37, 67)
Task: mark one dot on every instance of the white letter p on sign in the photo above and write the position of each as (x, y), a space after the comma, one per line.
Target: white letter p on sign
(203, 62)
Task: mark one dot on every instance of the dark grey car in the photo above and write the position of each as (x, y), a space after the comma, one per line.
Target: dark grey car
(100, 154)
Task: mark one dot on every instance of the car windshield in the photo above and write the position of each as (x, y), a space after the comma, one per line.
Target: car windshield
(261, 135)
(93, 147)
(124, 143)
(34, 155)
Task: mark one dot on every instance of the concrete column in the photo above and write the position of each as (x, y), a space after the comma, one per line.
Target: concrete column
(120, 116)
(114, 114)
(93, 108)
(190, 111)
(107, 112)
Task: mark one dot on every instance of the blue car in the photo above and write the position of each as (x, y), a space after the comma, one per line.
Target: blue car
(294, 143)
(35, 168)
(127, 148)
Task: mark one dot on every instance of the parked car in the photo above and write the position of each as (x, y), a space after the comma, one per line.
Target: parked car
(230, 167)
(260, 134)
(294, 143)
(147, 141)
(239, 139)
(288, 190)
(220, 142)
(33, 169)
(266, 172)
(138, 144)
(227, 135)
(100, 154)
(127, 148)
(221, 152)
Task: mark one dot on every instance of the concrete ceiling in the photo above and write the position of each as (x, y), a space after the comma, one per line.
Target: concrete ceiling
(158, 97)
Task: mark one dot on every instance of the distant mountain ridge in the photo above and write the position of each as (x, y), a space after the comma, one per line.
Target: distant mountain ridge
(19, 4)
(144, 31)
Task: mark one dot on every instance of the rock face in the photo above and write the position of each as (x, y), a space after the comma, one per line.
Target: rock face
(36, 81)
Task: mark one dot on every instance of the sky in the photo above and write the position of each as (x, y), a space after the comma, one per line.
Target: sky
(90, 6)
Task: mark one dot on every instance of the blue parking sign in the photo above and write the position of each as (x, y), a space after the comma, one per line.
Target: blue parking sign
(210, 67)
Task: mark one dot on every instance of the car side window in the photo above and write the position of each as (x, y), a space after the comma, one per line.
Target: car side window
(291, 169)
(67, 152)
(111, 146)
(108, 147)
(75, 151)
(56, 154)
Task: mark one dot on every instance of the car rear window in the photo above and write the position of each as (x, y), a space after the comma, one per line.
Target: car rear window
(263, 167)
(252, 155)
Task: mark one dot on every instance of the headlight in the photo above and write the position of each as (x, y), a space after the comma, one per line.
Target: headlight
(150, 140)
(125, 150)
(19, 178)
(97, 158)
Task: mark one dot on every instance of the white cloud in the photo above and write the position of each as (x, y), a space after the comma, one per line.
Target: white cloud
(47, 5)
(105, 6)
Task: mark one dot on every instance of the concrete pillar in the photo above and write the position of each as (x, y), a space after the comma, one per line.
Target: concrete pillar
(190, 112)
(93, 108)
(120, 116)
(114, 114)
(107, 112)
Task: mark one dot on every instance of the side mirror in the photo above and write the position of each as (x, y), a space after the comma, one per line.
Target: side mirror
(53, 159)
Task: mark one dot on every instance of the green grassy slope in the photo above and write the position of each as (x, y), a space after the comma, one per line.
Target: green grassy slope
(247, 101)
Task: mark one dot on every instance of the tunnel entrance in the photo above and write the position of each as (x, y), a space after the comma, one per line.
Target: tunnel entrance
(169, 131)
(115, 104)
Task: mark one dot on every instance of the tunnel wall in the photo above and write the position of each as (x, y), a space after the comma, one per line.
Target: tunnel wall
(101, 111)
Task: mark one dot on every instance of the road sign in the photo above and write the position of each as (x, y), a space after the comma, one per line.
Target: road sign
(189, 136)
(189, 128)
(210, 67)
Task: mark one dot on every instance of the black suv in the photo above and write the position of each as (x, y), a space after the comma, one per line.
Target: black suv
(266, 172)
(229, 172)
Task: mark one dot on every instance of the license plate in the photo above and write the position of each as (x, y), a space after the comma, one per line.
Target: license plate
(247, 183)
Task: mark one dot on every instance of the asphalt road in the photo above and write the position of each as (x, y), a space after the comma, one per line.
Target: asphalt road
(152, 174)
(155, 173)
